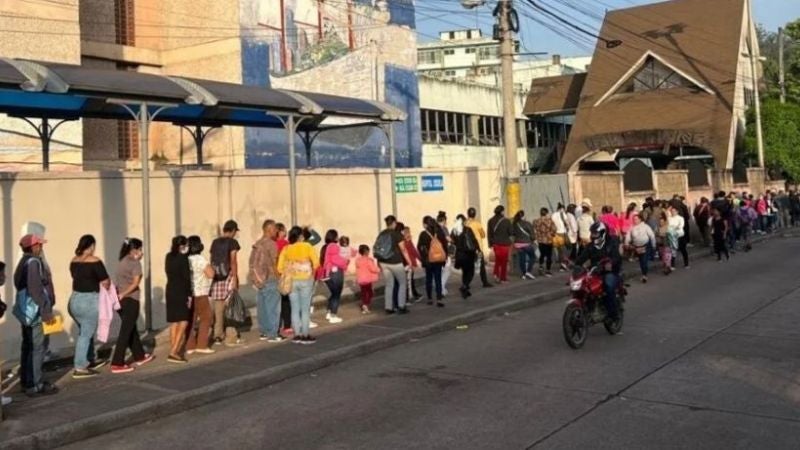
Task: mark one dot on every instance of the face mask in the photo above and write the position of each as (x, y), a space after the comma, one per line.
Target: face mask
(184, 251)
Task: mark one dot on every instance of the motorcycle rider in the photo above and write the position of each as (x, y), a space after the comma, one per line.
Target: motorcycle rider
(605, 251)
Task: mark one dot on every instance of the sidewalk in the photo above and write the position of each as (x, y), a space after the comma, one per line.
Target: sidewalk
(91, 407)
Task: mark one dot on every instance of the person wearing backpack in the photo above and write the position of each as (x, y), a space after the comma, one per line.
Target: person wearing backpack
(746, 217)
(224, 250)
(432, 247)
(466, 244)
(391, 254)
(32, 280)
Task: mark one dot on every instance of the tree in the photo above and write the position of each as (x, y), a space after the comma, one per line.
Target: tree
(781, 132)
(768, 44)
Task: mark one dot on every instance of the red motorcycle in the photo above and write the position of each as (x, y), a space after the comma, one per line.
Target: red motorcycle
(587, 307)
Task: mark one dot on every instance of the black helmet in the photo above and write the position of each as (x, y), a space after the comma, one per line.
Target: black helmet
(598, 233)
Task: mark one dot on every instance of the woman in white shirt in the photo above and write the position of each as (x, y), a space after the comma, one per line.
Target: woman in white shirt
(202, 275)
(676, 227)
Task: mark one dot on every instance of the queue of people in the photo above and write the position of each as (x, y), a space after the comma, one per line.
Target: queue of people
(284, 268)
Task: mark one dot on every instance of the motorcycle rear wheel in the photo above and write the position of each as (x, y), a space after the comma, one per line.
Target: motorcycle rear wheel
(576, 327)
(614, 326)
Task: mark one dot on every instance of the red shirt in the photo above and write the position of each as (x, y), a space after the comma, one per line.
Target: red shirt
(281, 243)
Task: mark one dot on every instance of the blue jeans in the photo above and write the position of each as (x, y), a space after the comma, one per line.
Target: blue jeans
(644, 261)
(433, 277)
(83, 309)
(527, 256)
(32, 356)
(335, 284)
(300, 298)
(610, 283)
(268, 305)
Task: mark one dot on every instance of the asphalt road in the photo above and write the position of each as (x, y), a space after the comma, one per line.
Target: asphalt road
(709, 358)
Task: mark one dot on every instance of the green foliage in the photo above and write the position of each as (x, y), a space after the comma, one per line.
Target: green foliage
(781, 129)
(768, 43)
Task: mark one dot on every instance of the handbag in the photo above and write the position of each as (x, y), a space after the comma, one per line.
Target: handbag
(56, 326)
(25, 309)
(235, 309)
(285, 283)
(559, 241)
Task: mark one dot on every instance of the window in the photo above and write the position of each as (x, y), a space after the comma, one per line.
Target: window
(488, 52)
(654, 75)
(469, 50)
(429, 57)
(449, 73)
(749, 97)
(543, 134)
(490, 131)
(469, 34)
(440, 127)
(124, 22)
(452, 34)
(127, 140)
(449, 51)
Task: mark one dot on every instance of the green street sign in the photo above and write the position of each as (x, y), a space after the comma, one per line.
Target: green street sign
(406, 184)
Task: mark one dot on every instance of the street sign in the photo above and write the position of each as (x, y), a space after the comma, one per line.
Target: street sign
(432, 183)
(406, 184)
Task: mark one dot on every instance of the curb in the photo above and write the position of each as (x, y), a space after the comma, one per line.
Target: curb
(174, 404)
(181, 402)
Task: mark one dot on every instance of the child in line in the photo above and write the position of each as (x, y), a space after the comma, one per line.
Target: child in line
(367, 273)
(345, 251)
(719, 230)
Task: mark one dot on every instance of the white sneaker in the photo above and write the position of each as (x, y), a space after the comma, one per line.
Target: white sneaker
(335, 319)
(312, 325)
(529, 276)
(189, 352)
(206, 351)
(6, 401)
(328, 316)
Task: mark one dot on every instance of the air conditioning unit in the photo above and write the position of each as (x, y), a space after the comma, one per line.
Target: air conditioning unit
(471, 4)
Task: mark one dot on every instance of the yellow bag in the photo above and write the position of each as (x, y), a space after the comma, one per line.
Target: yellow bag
(559, 241)
(286, 283)
(57, 326)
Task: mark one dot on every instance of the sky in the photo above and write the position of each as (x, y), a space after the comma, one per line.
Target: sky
(434, 16)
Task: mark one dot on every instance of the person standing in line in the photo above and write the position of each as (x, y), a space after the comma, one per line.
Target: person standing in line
(466, 253)
(545, 231)
(572, 236)
(677, 226)
(286, 306)
(334, 267)
(88, 276)
(300, 262)
(663, 243)
(441, 220)
(367, 274)
(179, 296)
(746, 217)
(32, 275)
(128, 278)
(560, 242)
(683, 210)
(4, 401)
(702, 215)
(500, 232)
(392, 255)
(523, 245)
(585, 222)
(415, 261)
(202, 316)
(224, 260)
(641, 238)
(263, 272)
(480, 234)
(719, 230)
(432, 246)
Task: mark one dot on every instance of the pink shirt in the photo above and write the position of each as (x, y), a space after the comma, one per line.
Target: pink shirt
(366, 270)
(333, 258)
(612, 223)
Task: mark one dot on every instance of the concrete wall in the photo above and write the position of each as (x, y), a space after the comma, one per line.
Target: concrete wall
(538, 191)
(671, 182)
(108, 205)
(603, 188)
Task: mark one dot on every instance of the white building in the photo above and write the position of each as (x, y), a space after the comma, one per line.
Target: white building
(462, 124)
(527, 71)
(459, 54)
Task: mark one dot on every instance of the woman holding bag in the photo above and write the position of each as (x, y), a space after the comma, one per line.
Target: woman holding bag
(640, 239)
(297, 264)
(432, 247)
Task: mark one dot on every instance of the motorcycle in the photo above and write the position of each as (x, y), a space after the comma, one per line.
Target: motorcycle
(587, 308)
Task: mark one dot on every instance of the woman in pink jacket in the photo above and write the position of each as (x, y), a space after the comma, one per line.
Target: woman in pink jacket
(367, 273)
(334, 267)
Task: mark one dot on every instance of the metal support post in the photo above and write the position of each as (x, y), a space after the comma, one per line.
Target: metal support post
(290, 129)
(45, 132)
(143, 117)
(392, 168)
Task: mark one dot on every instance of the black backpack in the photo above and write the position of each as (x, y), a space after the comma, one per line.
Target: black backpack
(384, 249)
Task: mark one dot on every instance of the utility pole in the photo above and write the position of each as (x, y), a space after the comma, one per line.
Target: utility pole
(781, 74)
(509, 113)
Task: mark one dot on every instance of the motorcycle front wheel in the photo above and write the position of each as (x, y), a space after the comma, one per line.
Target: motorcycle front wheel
(576, 328)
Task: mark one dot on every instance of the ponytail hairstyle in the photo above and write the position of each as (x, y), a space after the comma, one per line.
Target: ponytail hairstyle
(129, 244)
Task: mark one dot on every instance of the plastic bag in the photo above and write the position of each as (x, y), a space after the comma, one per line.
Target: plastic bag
(235, 310)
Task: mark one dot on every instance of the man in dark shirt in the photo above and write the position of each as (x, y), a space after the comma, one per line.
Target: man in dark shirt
(604, 251)
(391, 253)
(224, 252)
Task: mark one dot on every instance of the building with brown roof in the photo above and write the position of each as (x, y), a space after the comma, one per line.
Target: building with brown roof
(676, 89)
